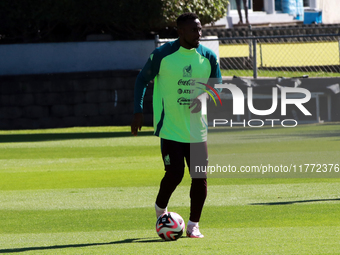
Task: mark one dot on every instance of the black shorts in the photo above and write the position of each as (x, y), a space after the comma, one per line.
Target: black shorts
(194, 154)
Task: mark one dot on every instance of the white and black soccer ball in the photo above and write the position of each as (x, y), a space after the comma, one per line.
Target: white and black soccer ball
(170, 226)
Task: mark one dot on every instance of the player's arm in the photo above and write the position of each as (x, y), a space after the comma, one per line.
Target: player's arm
(148, 73)
(215, 77)
(215, 74)
(139, 92)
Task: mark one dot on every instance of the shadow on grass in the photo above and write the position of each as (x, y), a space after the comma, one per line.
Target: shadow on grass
(19, 138)
(296, 202)
(132, 240)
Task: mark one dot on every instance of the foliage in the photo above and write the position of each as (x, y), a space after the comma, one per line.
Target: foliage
(72, 20)
(208, 10)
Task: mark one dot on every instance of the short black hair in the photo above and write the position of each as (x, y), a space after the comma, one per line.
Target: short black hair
(183, 18)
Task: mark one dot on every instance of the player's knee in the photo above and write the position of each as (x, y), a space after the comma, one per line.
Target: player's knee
(174, 177)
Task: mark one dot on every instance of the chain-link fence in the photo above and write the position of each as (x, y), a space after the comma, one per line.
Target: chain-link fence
(277, 56)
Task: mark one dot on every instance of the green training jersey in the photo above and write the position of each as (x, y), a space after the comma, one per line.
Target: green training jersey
(177, 72)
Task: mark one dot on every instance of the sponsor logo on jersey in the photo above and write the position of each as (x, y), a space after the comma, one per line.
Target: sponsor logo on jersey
(185, 91)
(183, 101)
(190, 82)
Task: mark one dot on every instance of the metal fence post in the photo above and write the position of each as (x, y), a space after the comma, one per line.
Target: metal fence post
(261, 65)
(156, 40)
(254, 59)
(250, 34)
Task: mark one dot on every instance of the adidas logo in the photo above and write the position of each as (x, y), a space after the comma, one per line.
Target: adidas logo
(167, 160)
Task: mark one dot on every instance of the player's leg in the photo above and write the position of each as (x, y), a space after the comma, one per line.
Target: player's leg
(173, 159)
(238, 5)
(245, 5)
(198, 156)
(198, 194)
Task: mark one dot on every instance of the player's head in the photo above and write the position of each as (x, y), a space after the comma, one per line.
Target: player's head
(189, 29)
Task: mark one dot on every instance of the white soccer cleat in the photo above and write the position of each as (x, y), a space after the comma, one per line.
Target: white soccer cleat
(160, 211)
(193, 231)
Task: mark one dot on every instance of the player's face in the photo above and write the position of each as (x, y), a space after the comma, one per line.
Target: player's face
(190, 34)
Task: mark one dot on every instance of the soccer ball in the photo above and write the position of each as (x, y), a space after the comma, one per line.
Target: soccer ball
(170, 226)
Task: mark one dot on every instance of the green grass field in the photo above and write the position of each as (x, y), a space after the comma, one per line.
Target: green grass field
(92, 191)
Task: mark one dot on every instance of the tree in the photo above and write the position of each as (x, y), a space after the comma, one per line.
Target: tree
(208, 10)
(72, 20)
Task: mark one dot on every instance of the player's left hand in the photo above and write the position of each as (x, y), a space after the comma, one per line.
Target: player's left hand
(196, 105)
(137, 123)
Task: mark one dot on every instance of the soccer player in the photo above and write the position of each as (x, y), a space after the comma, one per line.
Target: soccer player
(176, 67)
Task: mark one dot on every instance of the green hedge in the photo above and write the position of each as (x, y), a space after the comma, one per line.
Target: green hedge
(72, 20)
